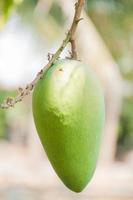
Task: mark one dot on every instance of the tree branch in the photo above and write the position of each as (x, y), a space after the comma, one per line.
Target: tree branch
(9, 101)
(73, 49)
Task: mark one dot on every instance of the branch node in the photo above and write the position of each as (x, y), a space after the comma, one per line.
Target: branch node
(50, 56)
(40, 73)
(78, 20)
(27, 86)
(20, 89)
(73, 49)
(76, 5)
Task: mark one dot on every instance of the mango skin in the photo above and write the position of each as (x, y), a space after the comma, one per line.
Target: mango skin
(68, 110)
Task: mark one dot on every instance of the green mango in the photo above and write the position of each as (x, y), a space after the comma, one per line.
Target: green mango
(68, 110)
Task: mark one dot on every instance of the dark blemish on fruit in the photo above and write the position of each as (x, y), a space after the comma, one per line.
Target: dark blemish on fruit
(60, 69)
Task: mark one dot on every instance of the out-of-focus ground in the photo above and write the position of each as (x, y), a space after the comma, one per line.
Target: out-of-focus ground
(23, 176)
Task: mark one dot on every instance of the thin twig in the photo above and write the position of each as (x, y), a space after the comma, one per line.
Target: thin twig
(73, 49)
(9, 101)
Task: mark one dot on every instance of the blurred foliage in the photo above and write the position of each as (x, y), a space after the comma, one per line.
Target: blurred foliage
(57, 13)
(4, 113)
(2, 124)
(126, 126)
(114, 21)
(23, 7)
(48, 18)
(7, 6)
(26, 8)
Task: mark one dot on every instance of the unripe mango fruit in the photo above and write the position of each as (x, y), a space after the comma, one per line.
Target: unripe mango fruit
(68, 110)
